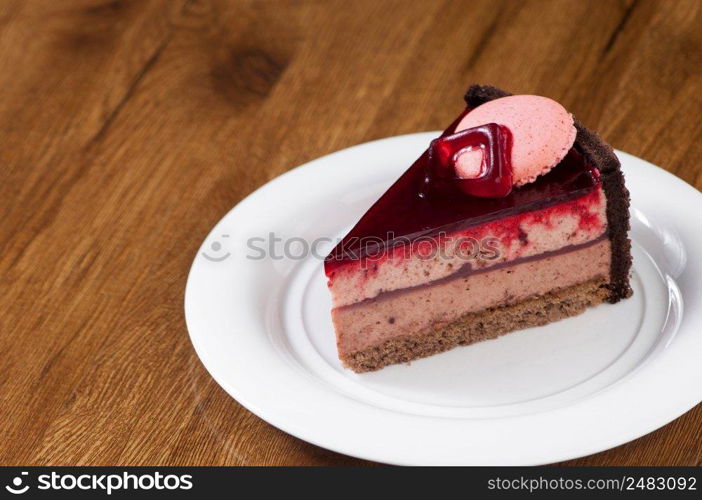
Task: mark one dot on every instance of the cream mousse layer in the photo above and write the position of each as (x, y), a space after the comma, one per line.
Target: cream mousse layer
(412, 311)
(423, 261)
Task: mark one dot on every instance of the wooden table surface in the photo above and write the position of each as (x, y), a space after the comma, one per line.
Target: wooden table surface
(128, 128)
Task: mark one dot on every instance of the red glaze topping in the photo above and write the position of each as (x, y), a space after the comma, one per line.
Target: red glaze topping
(408, 210)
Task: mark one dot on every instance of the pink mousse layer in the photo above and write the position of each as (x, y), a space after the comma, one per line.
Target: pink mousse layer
(521, 236)
(409, 312)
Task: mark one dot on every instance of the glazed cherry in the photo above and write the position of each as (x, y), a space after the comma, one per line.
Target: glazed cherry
(492, 142)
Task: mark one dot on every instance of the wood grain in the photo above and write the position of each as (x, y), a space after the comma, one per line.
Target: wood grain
(127, 128)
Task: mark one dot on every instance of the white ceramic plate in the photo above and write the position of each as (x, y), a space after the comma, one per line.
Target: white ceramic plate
(262, 328)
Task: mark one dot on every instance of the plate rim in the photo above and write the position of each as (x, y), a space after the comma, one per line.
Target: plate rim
(302, 431)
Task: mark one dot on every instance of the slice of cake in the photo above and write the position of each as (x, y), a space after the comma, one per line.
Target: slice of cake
(516, 216)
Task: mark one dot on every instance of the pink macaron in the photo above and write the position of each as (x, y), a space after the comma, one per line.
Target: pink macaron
(542, 134)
